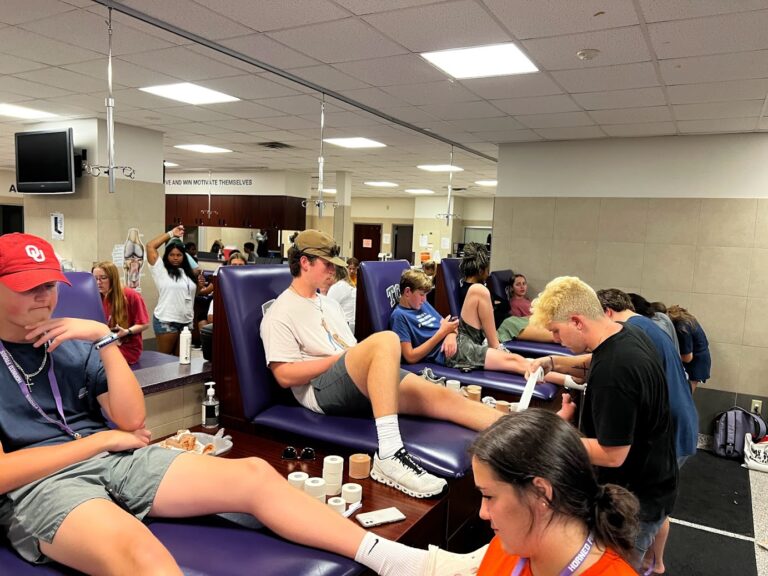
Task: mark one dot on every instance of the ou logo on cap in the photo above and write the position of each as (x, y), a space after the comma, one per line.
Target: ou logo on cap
(35, 253)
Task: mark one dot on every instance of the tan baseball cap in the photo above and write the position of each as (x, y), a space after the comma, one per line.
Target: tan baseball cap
(320, 244)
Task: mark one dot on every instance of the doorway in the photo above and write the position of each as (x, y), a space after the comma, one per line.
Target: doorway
(367, 242)
(11, 218)
(402, 242)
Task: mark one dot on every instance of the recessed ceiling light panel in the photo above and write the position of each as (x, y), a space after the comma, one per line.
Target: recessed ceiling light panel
(202, 148)
(357, 142)
(440, 168)
(23, 112)
(482, 61)
(486, 183)
(170, 164)
(377, 184)
(189, 93)
(419, 191)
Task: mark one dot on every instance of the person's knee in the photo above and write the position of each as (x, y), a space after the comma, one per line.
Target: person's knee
(386, 341)
(260, 471)
(146, 555)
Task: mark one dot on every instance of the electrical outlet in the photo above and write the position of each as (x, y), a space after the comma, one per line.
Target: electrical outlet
(757, 406)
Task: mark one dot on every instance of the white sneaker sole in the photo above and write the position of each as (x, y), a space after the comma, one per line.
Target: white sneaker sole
(384, 479)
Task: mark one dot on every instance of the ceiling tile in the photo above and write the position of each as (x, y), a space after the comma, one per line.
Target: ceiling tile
(302, 104)
(621, 98)
(616, 46)
(329, 77)
(741, 65)
(527, 19)
(431, 93)
(717, 125)
(571, 133)
(31, 89)
(123, 73)
(20, 11)
(198, 113)
(11, 64)
(245, 109)
(249, 87)
(372, 6)
(619, 77)
(635, 130)
(192, 17)
(632, 115)
(537, 105)
(564, 119)
(517, 86)
(718, 91)
(505, 123)
(404, 69)
(182, 63)
(740, 109)
(65, 79)
(461, 110)
(89, 30)
(373, 97)
(40, 49)
(338, 41)
(703, 36)
(502, 136)
(655, 11)
(267, 50)
(437, 27)
(264, 15)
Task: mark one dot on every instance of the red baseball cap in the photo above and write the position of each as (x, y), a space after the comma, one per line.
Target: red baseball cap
(28, 261)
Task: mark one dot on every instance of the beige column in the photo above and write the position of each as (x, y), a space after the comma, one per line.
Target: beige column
(342, 214)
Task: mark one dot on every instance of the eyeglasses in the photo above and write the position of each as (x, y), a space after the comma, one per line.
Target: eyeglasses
(290, 453)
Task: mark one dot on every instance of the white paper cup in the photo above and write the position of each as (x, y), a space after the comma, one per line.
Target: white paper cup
(454, 385)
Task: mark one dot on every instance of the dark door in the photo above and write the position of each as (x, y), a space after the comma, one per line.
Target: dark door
(12, 219)
(367, 242)
(402, 242)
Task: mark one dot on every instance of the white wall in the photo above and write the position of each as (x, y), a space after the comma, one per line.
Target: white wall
(265, 183)
(712, 166)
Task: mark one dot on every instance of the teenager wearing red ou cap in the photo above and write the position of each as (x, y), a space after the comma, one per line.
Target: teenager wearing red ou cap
(76, 491)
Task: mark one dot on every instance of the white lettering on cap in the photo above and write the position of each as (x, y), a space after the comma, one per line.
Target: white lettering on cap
(35, 253)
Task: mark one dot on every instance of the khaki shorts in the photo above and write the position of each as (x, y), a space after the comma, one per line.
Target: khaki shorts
(34, 512)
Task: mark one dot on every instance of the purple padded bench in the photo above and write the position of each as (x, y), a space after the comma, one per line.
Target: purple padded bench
(441, 446)
(215, 548)
(380, 287)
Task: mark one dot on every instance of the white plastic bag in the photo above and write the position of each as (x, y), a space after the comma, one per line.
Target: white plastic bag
(755, 454)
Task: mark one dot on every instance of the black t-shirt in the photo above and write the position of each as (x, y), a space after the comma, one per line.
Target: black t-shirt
(627, 405)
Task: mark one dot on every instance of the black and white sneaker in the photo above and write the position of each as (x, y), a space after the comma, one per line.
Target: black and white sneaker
(403, 472)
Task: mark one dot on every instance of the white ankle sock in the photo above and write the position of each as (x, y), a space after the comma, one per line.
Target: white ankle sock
(389, 558)
(388, 431)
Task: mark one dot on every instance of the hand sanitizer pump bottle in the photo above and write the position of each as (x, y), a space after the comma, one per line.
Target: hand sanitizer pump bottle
(185, 346)
(210, 407)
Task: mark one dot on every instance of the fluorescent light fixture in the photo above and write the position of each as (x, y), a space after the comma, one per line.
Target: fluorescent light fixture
(329, 191)
(440, 168)
(381, 184)
(486, 183)
(482, 61)
(202, 148)
(22, 112)
(170, 164)
(189, 93)
(419, 191)
(354, 142)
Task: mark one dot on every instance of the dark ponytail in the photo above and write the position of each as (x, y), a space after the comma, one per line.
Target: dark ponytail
(538, 443)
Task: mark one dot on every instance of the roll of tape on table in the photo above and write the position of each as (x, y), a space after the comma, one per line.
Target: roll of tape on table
(338, 504)
(315, 487)
(297, 479)
(352, 493)
(333, 464)
(359, 466)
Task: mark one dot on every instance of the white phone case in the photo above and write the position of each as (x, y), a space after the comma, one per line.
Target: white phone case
(378, 517)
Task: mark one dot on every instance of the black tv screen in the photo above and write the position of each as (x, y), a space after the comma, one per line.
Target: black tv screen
(45, 162)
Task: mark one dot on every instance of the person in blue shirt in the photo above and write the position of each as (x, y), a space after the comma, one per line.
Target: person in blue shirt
(618, 307)
(694, 346)
(427, 337)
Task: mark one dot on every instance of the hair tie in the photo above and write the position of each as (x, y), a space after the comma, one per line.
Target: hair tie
(601, 496)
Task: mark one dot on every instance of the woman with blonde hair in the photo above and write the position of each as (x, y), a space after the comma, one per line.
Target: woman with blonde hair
(694, 346)
(124, 310)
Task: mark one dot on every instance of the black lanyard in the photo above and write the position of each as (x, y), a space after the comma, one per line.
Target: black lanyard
(32, 402)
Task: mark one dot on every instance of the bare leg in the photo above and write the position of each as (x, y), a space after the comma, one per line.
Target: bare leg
(419, 398)
(97, 537)
(693, 384)
(167, 343)
(657, 549)
(477, 311)
(374, 366)
(254, 487)
(505, 362)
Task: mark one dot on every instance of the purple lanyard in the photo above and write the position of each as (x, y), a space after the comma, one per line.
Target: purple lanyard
(573, 565)
(32, 402)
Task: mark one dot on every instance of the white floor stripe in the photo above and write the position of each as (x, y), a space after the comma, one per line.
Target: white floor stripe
(712, 530)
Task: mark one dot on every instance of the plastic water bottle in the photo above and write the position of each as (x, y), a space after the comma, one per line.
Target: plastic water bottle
(185, 346)
(210, 407)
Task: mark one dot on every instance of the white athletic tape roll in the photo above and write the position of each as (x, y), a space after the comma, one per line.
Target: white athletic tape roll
(352, 493)
(454, 385)
(333, 464)
(332, 489)
(315, 487)
(525, 399)
(338, 504)
(297, 479)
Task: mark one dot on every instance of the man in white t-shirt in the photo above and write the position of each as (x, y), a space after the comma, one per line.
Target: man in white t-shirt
(311, 350)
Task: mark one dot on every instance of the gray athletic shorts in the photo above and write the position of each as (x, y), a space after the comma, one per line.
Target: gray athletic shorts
(34, 512)
(337, 395)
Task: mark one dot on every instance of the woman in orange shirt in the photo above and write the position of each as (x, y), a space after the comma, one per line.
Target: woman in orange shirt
(549, 514)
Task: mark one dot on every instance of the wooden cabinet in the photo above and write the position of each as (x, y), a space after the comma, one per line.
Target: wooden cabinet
(270, 213)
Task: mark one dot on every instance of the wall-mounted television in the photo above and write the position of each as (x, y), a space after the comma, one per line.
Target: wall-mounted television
(45, 162)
